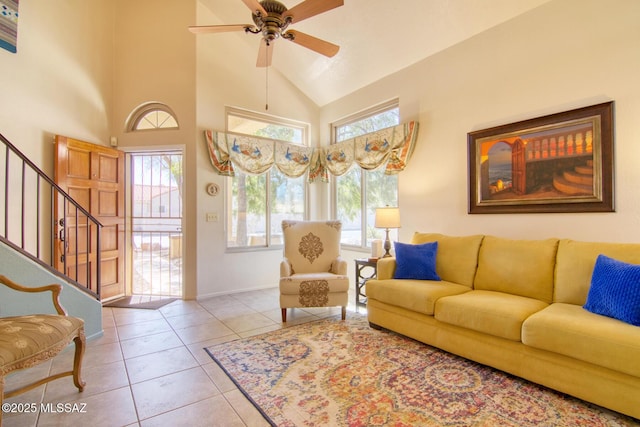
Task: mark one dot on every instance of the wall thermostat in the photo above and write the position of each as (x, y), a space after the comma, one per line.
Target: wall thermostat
(213, 189)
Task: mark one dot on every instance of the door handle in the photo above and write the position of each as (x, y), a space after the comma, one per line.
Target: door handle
(61, 232)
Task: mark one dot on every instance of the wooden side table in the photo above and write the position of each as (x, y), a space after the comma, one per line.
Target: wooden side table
(365, 270)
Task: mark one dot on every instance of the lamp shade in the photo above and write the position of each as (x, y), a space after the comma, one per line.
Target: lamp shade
(387, 217)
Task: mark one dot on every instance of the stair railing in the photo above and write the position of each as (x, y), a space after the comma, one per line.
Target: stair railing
(35, 208)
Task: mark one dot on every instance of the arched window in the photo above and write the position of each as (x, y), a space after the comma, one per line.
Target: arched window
(152, 115)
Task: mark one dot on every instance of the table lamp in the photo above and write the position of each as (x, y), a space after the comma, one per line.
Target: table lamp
(387, 217)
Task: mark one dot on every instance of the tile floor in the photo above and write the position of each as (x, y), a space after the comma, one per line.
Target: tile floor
(150, 369)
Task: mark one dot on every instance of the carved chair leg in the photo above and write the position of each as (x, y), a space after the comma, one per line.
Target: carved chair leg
(344, 313)
(1, 396)
(284, 315)
(77, 361)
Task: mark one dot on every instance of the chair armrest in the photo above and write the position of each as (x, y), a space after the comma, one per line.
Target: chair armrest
(285, 268)
(386, 268)
(55, 292)
(339, 266)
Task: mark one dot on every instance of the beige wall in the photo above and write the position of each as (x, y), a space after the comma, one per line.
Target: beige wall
(155, 61)
(563, 55)
(60, 80)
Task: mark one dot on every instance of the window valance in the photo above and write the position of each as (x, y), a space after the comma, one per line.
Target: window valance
(391, 147)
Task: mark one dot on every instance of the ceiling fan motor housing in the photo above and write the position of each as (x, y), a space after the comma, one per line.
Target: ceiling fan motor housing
(273, 24)
(272, 18)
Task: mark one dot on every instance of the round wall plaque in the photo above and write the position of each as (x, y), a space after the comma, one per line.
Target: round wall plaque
(213, 189)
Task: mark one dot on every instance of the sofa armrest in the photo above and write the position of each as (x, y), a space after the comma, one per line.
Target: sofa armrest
(285, 268)
(386, 268)
(55, 290)
(339, 266)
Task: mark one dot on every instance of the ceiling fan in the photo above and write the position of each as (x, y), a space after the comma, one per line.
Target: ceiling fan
(272, 18)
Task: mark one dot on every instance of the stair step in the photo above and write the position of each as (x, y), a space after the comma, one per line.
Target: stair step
(571, 188)
(578, 178)
(585, 169)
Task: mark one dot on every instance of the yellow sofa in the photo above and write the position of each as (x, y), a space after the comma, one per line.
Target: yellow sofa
(516, 305)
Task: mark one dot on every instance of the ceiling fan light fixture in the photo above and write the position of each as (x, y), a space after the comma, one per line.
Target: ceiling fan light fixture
(273, 24)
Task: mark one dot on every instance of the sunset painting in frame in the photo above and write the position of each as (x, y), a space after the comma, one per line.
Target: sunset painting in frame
(557, 163)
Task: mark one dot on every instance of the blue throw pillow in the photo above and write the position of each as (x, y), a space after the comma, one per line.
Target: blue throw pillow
(615, 290)
(416, 261)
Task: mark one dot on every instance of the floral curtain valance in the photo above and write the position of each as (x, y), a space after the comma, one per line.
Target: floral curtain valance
(391, 147)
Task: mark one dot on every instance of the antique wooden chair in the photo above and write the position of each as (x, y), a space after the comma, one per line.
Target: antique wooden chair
(26, 341)
(312, 273)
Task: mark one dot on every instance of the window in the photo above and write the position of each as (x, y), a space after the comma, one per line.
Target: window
(257, 204)
(358, 193)
(152, 115)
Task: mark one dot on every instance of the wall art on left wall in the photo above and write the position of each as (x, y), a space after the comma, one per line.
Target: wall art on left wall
(9, 25)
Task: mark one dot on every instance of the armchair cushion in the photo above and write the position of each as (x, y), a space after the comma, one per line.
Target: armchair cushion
(295, 285)
(311, 246)
(34, 338)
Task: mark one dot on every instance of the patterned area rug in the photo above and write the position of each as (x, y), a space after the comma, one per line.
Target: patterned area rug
(334, 373)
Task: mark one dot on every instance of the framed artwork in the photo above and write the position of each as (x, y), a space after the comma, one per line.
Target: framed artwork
(9, 25)
(557, 163)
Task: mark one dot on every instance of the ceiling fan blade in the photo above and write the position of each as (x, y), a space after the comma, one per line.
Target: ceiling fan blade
(218, 28)
(309, 8)
(321, 46)
(254, 5)
(265, 54)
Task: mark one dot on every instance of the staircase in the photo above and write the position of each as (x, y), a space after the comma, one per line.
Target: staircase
(576, 181)
(30, 202)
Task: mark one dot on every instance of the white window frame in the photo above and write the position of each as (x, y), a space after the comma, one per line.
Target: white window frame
(304, 129)
(145, 110)
(372, 111)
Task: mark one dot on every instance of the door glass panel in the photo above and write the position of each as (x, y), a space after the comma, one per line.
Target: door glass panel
(156, 192)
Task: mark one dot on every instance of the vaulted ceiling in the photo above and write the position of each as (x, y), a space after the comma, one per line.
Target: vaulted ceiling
(376, 38)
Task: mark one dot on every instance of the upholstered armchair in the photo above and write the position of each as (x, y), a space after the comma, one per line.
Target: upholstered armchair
(312, 274)
(26, 341)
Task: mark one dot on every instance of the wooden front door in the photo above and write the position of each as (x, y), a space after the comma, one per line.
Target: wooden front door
(93, 175)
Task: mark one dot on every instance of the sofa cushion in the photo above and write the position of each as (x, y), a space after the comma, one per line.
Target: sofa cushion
(415, 295)
(571, 330)
(615, 290)
(494, 313)
(518, 267)
(575, 262)
(457, 257)
(416, 261)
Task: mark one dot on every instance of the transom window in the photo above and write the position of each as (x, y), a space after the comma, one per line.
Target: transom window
(257, 204)
(358, 192)
(152, 115)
